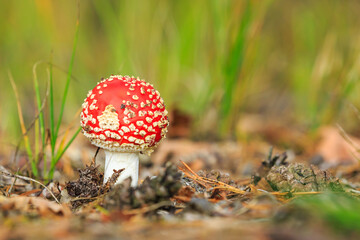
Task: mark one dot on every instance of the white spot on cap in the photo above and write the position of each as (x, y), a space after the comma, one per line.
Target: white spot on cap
(125, 129)
(150, 138)
(89, 93)
(131, 114)
(125, 120)
(151, 129)
(135, 97)
(132, 127)
(158, 113)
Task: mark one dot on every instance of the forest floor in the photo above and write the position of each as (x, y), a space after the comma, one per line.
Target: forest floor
(202, 190)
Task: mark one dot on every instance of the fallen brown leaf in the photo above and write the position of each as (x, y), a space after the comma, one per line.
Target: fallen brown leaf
(43, 207)
(334, 148)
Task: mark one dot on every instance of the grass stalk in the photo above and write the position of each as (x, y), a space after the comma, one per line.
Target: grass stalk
(54, 132)
(23, 128)
(51, 107)
(67, 80)
(40, 109)
(233, 66)
(60, 153)
(36, 140)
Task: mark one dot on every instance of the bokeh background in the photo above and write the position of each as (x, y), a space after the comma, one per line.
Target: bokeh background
(295, 63)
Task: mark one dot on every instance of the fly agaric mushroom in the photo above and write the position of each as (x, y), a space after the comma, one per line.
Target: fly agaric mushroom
(124, 116)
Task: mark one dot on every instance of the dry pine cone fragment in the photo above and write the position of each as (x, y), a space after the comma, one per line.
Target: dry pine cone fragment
(299, 177)
(152, 190)
(88, 186)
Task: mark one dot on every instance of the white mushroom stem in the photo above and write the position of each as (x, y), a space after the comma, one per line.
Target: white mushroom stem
(120, 160)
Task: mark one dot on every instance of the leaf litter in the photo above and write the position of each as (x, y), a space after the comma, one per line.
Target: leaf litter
(179, 197)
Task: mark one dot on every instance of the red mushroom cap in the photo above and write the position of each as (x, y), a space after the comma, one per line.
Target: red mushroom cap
(124, 114)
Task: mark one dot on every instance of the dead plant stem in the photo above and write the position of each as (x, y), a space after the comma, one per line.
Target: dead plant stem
(30, 179)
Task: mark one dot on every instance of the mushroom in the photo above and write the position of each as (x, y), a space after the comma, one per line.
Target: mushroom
(124, 116)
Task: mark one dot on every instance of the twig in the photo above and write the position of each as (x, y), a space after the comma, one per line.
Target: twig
(11, 187)
(188, 168)
(30, 179)
(4, 193)
(86, 198)
(354, 191)
(294, 193)
(204, 181)
(231, 189)
(193, 178)
(348, 139)
(148, 208)
(356, 110)
(94, 158)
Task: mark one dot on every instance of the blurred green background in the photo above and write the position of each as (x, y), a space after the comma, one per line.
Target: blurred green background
(215, 60)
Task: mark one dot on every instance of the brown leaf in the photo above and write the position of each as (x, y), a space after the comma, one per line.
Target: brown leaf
(41, 206)
(334, 148)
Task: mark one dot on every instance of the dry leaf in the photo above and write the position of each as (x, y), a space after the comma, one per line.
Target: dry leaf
(334, 148)
(38, 205)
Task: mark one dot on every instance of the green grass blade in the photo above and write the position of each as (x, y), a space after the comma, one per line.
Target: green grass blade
(60, 154)
(68, 79)
(36, 140)
(23, 128)
(39, 106)
(235, 61)
(51, 109)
